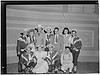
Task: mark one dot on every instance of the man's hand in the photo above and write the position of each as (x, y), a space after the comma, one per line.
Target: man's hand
(74, 48)
(61, 51)
(18, 53)
(35, 60)
(23, 66)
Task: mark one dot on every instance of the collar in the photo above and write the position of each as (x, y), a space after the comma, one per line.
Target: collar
(48, 34)
(66, 35)
(57, 35)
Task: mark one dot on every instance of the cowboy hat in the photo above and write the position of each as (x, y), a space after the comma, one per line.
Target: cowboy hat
(23, 31)
(74, 30)
(39, 26)
(48, 28)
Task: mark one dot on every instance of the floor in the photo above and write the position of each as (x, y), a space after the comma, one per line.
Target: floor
(83, 68)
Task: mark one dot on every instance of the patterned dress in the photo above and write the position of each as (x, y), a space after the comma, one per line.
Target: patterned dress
(66, 60)
(42, 65)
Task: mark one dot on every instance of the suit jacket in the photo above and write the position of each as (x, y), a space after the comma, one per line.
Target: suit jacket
(48, 39)
(21, 44)
(40, 39)
(60, 43)
(76, 43)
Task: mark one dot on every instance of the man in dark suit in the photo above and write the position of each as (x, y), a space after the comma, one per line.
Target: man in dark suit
(58, 43)
(21, 45)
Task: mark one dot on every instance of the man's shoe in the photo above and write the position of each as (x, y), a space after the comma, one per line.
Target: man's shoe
(70, 72)
(20, 71)
(74, 71)
(56, 72)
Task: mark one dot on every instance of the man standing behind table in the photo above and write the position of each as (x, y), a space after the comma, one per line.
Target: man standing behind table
(57, 41)
(21, 45)
(40, 37)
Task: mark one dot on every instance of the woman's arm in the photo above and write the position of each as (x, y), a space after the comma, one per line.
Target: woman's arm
(71, 58)
(62, 59)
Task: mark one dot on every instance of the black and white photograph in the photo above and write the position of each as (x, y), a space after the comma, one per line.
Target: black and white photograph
(52, 38)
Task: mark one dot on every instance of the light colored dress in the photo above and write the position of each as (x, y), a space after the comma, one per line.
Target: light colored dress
(42, 65)
(67, 40)
(66, 61)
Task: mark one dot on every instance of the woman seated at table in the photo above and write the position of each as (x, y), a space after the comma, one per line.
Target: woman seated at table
(66, 60)
(42, 65)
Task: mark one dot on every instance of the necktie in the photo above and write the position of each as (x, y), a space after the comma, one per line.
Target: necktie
(56, 39)
(47, 37)
(39, 34)
(34, 38)
(31, 39)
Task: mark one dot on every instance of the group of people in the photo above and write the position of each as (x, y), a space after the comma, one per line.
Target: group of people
(42, 50)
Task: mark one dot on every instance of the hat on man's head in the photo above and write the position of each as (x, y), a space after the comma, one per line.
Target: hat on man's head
(39, 26)
(48, 28)
(74, 30)
(23, 31)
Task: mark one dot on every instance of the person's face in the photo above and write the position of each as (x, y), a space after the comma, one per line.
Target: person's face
(48, 31)
(66, 31)
(31, 33)
(40, 29)
(28, 50)
(39, 48)
(73, 34)
(35, 31)
(25, 32)
(67, 51)
(56, 31)
(50, 48)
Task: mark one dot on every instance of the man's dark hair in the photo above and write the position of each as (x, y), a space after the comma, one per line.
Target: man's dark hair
(74, 31)
(21, 34)
(36, 29)
(55, 29)
(67, 47)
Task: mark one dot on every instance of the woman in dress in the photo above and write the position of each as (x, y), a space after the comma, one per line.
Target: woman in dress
(67, 60)
(67, 36)
(42, 65)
